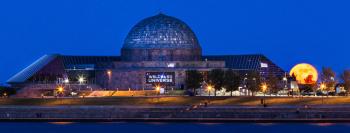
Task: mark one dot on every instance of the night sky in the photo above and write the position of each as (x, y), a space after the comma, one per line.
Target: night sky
(286, 31)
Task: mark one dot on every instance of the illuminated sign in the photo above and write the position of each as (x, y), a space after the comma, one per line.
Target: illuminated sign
(160, 78)
(264, 65)
(171, 64)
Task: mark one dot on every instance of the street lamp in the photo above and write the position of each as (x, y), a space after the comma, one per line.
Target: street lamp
(264, 89)
(60, 90)
(81, 79)
(322, 87)
(157, 89)
(209, 88)
(109, 72)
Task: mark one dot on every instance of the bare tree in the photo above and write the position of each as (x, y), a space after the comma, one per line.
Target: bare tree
(253, 81)
(216, 78)
(232, 80)
(193, 80)
(345, 77)
(273, 82)
(328, 78)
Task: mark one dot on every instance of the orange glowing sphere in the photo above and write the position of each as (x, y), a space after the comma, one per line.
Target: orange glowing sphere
(304, 73)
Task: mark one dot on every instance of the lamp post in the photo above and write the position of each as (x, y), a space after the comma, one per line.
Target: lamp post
(264, 89)
(81, 80)
(109, 73)
(209, 88)
(322, 87)
(157, 88)
(285, 81)
(60, 90)
(66, 82)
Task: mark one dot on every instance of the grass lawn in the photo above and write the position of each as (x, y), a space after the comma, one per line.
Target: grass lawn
(180, 100)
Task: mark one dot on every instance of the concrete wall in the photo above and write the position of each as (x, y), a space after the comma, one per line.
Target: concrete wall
(175, 113)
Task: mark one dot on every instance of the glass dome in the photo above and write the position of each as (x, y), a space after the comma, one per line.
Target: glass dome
(161, 31)
(162, 38)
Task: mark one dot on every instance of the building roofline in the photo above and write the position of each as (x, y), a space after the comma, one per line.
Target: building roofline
(237, 55)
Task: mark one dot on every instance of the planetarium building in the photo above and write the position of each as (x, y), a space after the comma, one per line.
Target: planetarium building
(158, 49)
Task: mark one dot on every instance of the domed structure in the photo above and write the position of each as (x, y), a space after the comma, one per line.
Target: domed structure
(161, 38)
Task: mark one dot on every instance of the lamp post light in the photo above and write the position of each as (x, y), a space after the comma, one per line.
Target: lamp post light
(158, 89)
(81, 79)
(264, 89)
(66, 81)
(323, 86)
(60, 90)
(209, 88)
(109, 74)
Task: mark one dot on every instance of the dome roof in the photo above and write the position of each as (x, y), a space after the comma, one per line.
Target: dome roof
(161, 31)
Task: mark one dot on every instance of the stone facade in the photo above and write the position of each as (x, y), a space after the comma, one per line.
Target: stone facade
(132, 75)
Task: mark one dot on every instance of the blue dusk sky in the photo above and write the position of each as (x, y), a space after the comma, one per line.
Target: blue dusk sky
(286, 31)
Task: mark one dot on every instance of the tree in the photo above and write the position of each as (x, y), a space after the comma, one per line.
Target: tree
(253, 81)
(273, 82)
(193, 80)
(294, 78)
(4, 90)
(216, 79)
(307, 88)
(345, 76)
(328, 78)
(232, 80)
